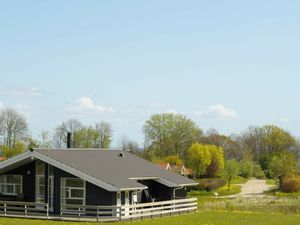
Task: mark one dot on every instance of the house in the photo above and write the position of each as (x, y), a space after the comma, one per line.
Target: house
(178, 169)
(62, 178)
(165, 166)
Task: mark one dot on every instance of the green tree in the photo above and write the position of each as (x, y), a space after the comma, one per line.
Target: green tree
(173, 160)
(282, 165)
(265, 142)
(170, 134)
(199, 158)
(246, 168)
(216, 165)
(104, 134)
(231, 170)
(10, 152)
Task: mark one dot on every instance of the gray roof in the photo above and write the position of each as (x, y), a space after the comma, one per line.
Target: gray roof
(109, 167)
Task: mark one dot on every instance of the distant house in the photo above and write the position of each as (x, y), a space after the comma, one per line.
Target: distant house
(179, 169)
(62, 178)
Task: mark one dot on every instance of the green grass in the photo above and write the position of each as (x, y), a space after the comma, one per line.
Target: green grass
(272, 182)
(200, 218)
(279, 194)
(239, 180)
(223, 191)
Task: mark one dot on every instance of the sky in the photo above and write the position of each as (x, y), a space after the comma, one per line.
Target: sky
(224, 64)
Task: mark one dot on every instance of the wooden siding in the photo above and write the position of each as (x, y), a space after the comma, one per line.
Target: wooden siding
(158, 191)
(28, 180)
(99, 196)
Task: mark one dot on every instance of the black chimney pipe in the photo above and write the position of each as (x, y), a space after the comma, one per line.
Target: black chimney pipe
(69, 140)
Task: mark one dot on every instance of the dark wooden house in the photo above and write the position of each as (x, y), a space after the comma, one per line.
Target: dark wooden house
(62, 177)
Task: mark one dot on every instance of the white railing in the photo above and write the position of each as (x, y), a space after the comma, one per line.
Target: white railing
(153, 209)
(128, 212)
(100, 213)
(25, 209)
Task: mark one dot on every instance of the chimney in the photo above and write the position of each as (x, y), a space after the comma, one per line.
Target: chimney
(69, 140)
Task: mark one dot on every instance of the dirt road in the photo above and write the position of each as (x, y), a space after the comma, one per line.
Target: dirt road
(253, 188)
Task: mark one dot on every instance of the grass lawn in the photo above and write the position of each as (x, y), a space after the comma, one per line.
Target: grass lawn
(200, 218)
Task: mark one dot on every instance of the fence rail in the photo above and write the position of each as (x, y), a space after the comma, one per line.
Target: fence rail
(99, 213)
(26, 209)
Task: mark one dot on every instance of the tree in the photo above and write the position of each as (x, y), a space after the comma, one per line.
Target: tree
(13, 127)
(170, 134)
(231, 170)
(199, 158)
(60, 133)
(216, 165)
(10, 152)
(282, 165)
(130, 145)
(104, 131)
(59, 137)
(246, 168)
(173, 160)
(45, 139)
(266, 141)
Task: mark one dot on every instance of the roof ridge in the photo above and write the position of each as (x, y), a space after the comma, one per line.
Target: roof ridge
(78, 149)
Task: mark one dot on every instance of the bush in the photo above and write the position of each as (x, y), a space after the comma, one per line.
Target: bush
(258, 172)
(209, 184)
(246, 168)
(291, 184)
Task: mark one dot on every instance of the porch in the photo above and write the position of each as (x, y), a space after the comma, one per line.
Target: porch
(98, 213)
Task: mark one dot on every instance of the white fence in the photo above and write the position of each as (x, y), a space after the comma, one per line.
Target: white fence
(99, 213)
(129, 212)
(24, 209)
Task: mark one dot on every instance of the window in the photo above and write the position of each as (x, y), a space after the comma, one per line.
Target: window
(40, 182)
(11, 184)
(72, 191)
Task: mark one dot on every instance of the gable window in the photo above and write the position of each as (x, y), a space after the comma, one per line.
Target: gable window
(72, 191)
(10, 184)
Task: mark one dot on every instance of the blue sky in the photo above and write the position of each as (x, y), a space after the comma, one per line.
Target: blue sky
(224, 64)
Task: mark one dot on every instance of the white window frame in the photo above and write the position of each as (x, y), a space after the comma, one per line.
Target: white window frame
(63, 188)
(11, 184)
(39, 197)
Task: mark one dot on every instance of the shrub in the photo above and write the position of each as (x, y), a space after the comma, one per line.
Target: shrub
(246, 168)
(258, 172)
(291, 184)
(209, 184)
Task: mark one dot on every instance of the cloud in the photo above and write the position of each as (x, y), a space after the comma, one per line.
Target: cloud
(173, 111)
(284, 120)
(87, 105)
(218, 111)
(23, 92)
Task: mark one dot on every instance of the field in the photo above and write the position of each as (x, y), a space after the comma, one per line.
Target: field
(200, 218)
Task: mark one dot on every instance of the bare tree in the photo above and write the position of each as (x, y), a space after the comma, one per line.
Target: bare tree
(45, 141)
(60, 133)
(104, 131)
(13, 127)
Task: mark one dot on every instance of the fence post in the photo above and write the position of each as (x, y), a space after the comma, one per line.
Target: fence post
(120, 209)
(47, 208)
(97, 213)
(4, 209)
(78, 213)
(25, 210)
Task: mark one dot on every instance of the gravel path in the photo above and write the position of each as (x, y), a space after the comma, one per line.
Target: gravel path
(253, 188)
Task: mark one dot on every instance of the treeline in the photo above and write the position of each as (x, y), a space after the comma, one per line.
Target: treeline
(168, 137)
